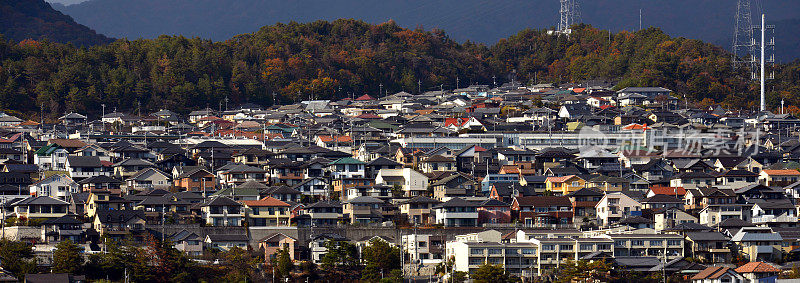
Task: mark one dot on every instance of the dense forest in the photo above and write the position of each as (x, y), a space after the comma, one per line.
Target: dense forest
(284, 63)
(35, 19)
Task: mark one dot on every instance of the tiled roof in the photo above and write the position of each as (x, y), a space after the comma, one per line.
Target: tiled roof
(757, 267)
(782, 172)
(712, 272)
(659, 190)
(267, 201)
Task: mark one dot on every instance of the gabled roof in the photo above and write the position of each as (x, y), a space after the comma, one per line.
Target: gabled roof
(757, 267)
(227, 238)
(62, 220)
(586, 192)
(83, 161)
(119, 216)
(383, 161)
(346, 161)
(364, 199)
(100, 179)
(184, 235)
(782, 172)
(421, 199)
(42, 200)
(660, 190)
(457, 202)
(661, 199)
(542, 201)
(712, 272)
(221, 201)
(266, 201)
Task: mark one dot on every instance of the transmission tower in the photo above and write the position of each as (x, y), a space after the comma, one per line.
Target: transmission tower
(569, 15)
(750, 50)
(744, 44)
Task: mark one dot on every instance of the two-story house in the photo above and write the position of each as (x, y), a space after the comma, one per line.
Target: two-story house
(58, 186)
(222, 211)
(615, 206)
(457, 212)
(267, 211)
(542, 211)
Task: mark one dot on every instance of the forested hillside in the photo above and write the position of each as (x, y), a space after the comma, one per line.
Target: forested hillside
(335, 59)
(35, 19)
(476, 20)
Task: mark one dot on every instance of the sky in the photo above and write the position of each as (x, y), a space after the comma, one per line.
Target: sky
(66, 2)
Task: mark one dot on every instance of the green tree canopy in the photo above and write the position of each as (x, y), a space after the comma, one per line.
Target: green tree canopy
(67, 258)
(17, 257)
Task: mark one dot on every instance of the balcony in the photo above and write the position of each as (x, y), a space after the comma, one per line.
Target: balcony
(774, 219)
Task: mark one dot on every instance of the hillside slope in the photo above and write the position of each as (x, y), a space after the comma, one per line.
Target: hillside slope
(475, 20)
(284, 63)
(35, 19)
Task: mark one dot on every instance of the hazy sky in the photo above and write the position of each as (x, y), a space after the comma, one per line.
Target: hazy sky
(66, 2)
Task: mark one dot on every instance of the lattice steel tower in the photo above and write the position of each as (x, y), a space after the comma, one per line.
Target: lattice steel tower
(744, 44)
(569, 15)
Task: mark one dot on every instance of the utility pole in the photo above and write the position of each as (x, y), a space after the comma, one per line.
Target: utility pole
(101, 118)
(640, 18)
(762, 59)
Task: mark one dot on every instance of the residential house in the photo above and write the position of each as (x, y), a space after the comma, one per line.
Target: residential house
(615, 206)
(778, 178)
(708, 246)
(457, 212)
(321, 213)
(274, 243)
(225, 242)
(758, 243)
(542, 211)
(147, 179)
(347, 167)
(718, 274)
(419, 209)
(197, 180)
(39, 207)
(437, 163)
(119, 224)
(455, 185)
(187, 242)
(222, 211)
(494, 211)
(583, 204)
(101, 182)
(56, 230)
(412, 183)
(363, 210)
(81, 167)
(671, 217)
(564, 185)
(58, 186)
(233, 175)
(267, 211)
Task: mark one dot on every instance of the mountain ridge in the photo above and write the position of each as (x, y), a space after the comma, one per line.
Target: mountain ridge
(37, 20)
(474, 20)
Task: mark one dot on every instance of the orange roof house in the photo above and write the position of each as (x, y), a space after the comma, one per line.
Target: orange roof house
(757, 267)
(670, 191)
(365, 97)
